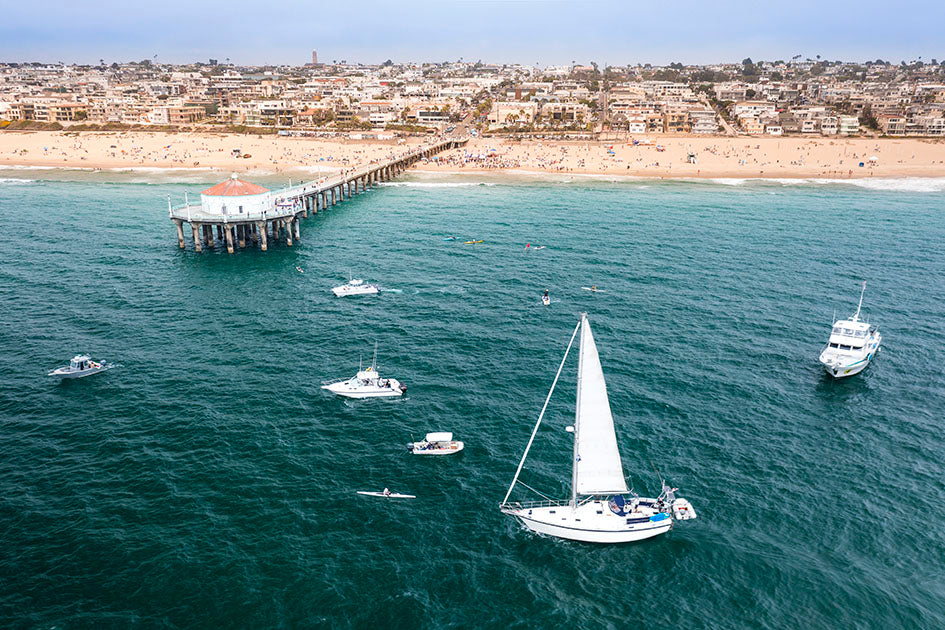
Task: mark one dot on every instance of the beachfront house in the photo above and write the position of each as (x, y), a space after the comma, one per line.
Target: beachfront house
(754, 108)
(703, 121)
(849, 125)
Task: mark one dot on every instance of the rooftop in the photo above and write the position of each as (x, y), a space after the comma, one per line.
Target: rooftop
(234, 187)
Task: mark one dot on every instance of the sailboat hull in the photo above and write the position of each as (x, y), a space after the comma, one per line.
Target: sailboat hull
(593, 522)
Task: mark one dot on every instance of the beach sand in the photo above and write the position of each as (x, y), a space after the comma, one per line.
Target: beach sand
(714, 157)
(662, 156)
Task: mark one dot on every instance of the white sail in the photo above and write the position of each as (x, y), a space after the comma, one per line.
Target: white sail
(597, 467)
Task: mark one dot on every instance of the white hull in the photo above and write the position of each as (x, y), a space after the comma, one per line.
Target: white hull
(840, 365)
(842, 372)
(453, 447)
(344, 291)
(352, 393)
(66, 372)
(392, 495)
(585, 525)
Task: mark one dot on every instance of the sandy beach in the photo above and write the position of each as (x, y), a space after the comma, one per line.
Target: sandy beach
(662, 156)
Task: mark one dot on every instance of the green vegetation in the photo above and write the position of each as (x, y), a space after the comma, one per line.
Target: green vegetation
(32, 125)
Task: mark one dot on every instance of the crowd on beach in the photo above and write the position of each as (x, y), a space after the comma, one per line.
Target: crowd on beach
(663, 156)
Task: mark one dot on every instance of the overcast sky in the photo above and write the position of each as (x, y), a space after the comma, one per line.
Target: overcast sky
(546, 32)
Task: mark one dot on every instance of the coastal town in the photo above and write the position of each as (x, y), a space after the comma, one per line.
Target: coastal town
(673, 120)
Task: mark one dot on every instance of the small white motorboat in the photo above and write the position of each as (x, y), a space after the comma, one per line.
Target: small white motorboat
(80, 366)
(386, 494)
(546, 299)
(439, 443)
(355, 286)
(852, 345)
(367, 383)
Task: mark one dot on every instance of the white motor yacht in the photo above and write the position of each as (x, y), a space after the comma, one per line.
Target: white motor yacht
(355, 286)
(438, 443)
(367, 383)
(602, 509)
(852, 345)
(80, 366)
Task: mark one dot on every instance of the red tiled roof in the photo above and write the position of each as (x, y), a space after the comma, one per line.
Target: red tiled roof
(234, 188)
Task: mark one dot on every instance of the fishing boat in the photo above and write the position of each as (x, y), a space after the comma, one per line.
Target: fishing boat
(439, 443)
(367, 383)
(355, 286)
(602, 509)
(851, 346)
(81, 366)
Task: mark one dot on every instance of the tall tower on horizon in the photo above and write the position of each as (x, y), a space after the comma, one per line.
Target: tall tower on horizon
(314, 57)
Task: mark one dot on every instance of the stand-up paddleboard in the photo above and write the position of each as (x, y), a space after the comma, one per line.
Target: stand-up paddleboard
(594, 289)
(392, 495)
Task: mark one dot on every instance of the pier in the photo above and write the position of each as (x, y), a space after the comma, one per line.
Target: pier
(283, 210)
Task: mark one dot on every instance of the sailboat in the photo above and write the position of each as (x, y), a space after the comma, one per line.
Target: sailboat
(602, 509)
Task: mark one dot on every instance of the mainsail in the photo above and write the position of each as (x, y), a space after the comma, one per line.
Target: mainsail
(597, 466)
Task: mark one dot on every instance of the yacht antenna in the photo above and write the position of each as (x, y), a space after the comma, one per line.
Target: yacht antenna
(658, 474)
(856, 316)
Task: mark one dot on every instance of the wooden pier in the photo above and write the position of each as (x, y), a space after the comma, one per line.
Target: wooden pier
(282, 216)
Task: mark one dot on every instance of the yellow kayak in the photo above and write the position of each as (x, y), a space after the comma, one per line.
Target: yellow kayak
(471, 242)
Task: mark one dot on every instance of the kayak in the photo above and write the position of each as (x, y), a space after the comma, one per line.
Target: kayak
(595, 290)
(392, 495)
(450, 238)
(471, 242)
(299, 269)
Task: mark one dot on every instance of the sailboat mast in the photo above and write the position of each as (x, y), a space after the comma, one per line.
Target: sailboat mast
(856, 316)
(577, 414)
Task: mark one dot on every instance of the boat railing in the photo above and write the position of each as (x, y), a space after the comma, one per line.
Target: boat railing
(527, 505)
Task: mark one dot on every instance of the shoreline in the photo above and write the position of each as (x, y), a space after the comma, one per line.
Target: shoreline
(656, 158)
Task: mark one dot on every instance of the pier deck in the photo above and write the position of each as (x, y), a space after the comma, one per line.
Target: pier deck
(294, 203)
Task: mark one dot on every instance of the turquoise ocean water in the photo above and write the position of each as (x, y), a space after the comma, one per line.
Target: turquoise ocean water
(209, 482)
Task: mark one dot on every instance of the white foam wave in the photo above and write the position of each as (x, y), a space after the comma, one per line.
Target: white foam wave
(727, 181)
(15, 182)
(436, 184)
(895, 184)
(904, 184)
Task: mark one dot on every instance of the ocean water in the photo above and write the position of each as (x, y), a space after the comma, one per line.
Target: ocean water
(209, 482)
